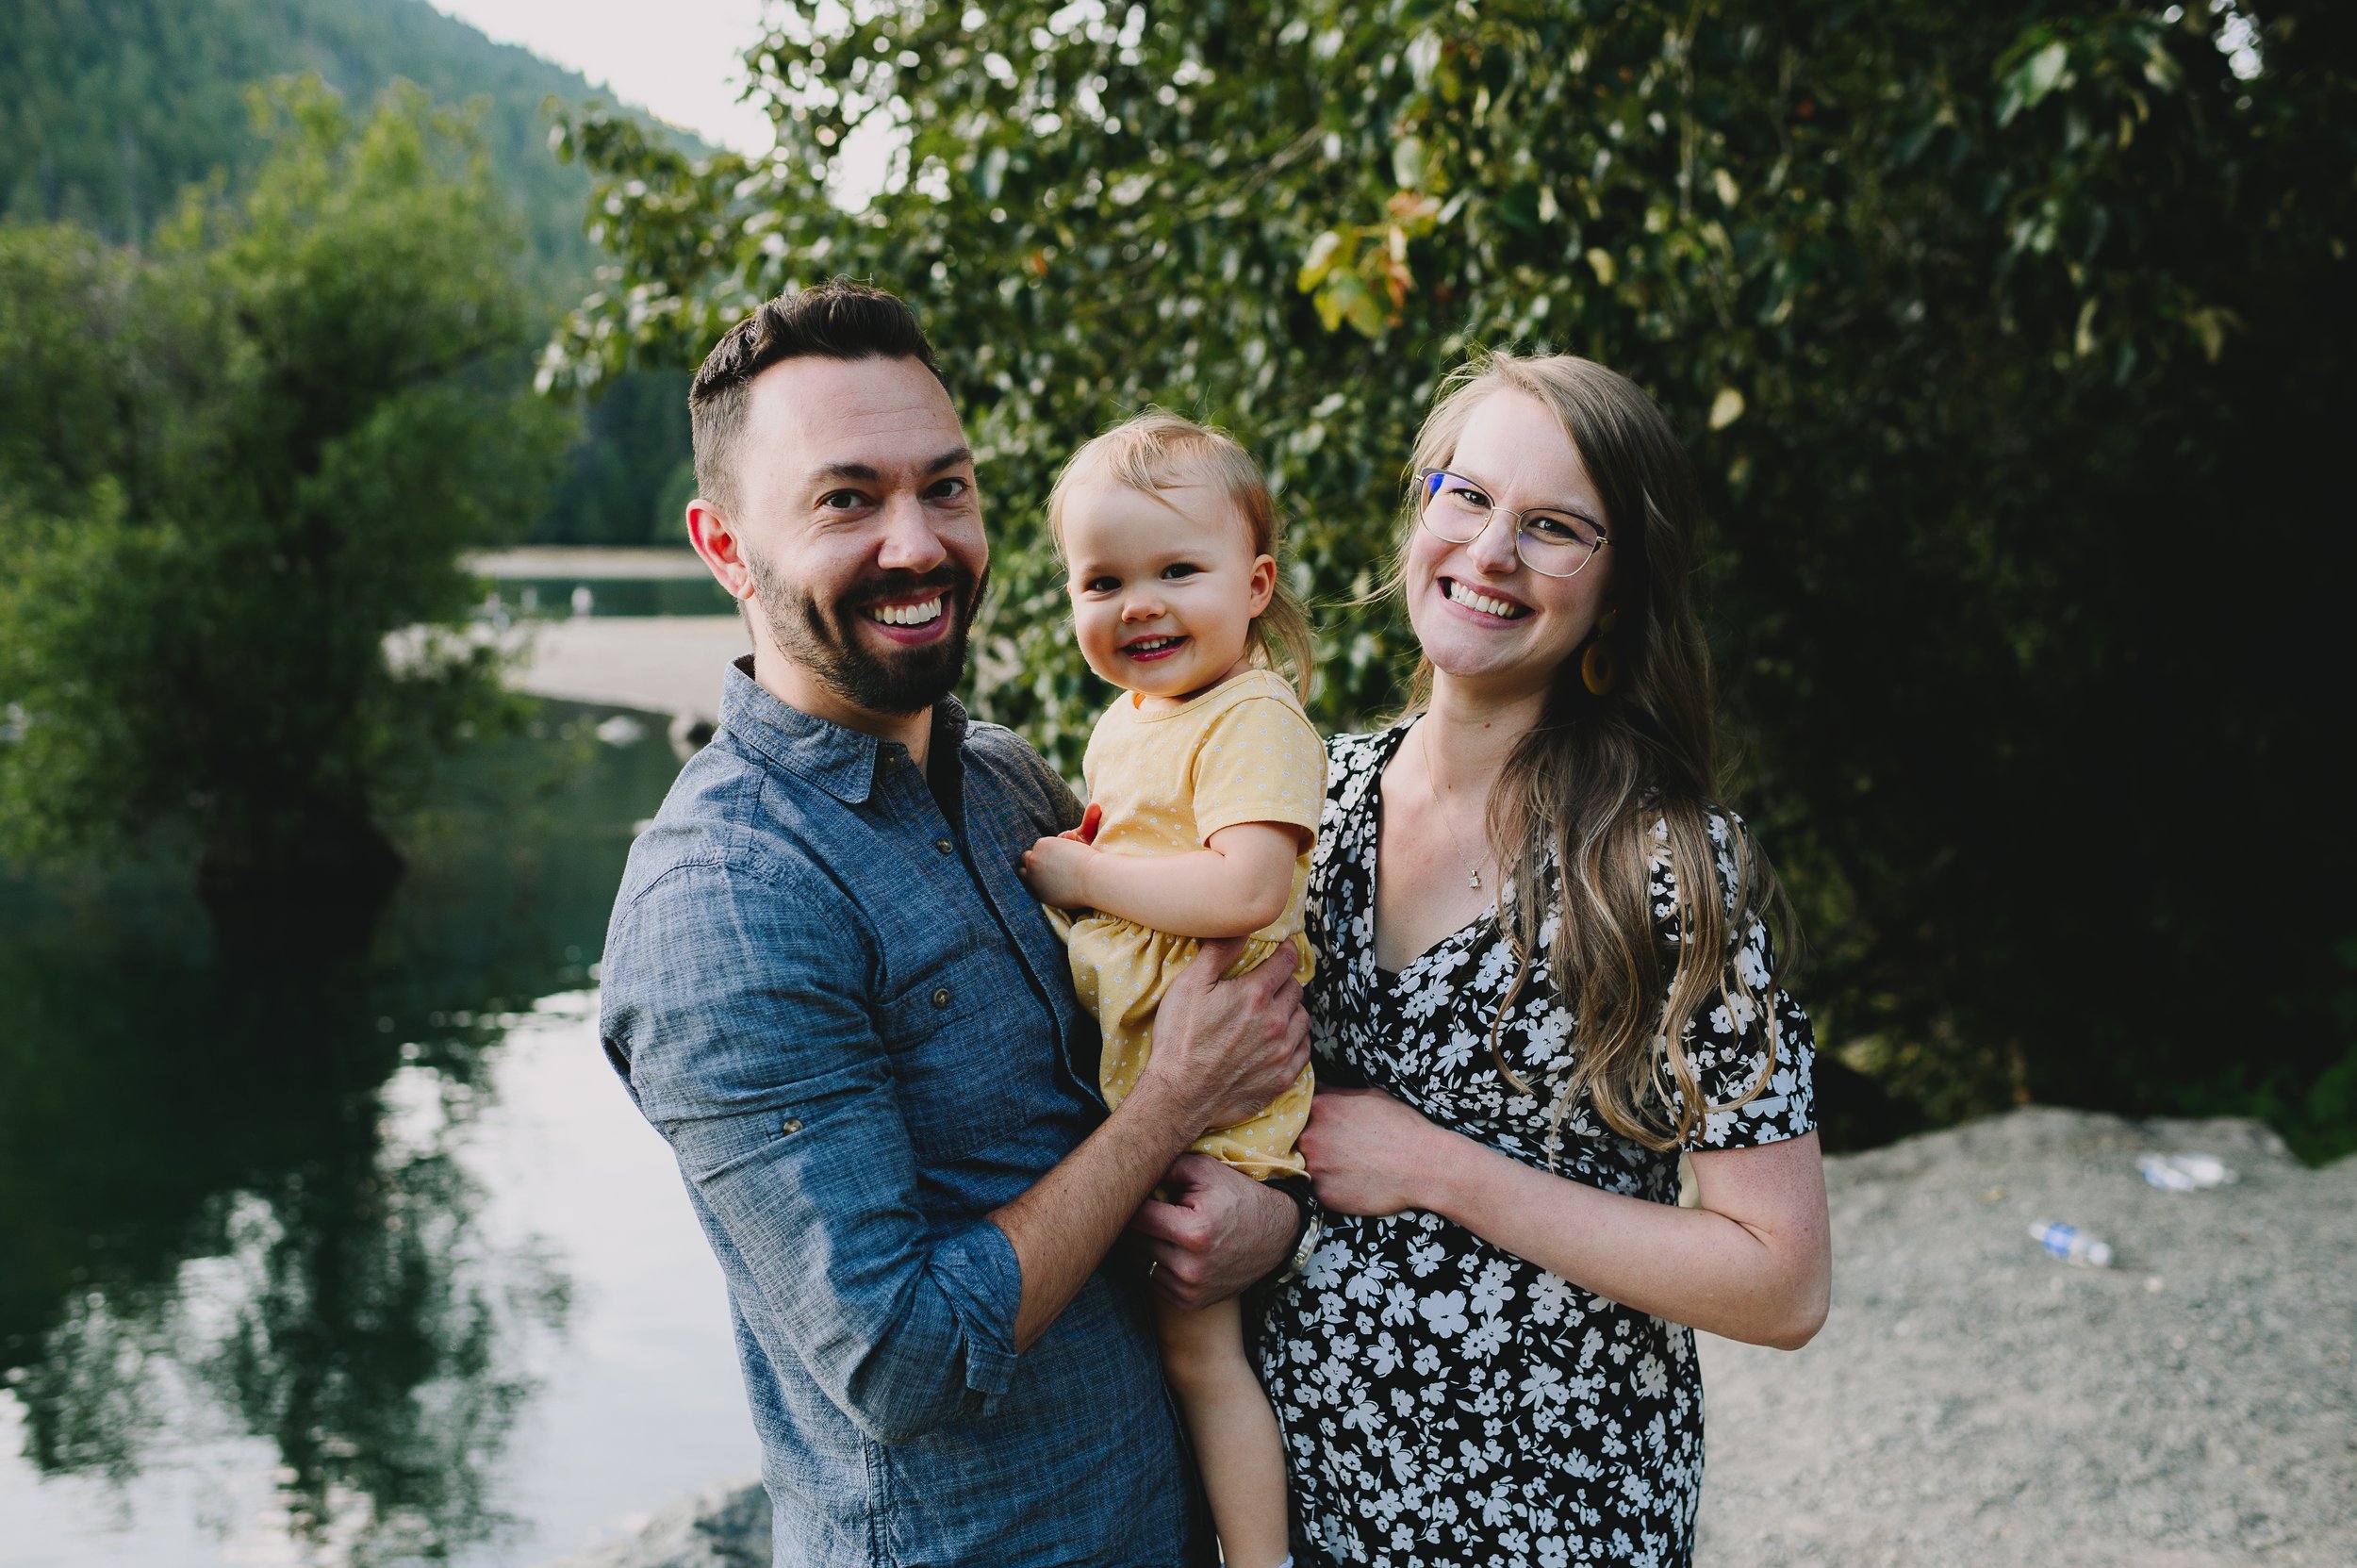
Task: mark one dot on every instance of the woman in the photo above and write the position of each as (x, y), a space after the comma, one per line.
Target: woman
(1544, 954)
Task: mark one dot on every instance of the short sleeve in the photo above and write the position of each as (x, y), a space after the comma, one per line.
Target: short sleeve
(1258, 761)
(1750, 1045)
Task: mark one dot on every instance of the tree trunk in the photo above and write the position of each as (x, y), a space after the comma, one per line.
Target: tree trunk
(303, 886)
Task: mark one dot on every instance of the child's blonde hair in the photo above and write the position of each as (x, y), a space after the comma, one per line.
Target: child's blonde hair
(1156, 450)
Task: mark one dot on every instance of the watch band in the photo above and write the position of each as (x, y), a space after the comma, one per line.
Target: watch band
(1312, 1228)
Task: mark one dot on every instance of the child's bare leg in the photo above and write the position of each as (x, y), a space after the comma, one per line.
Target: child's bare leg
(1234, 1430)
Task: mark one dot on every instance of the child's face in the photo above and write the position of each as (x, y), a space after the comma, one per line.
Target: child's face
(1164, 586)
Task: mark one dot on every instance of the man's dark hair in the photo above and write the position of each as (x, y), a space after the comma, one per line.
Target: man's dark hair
(839, 318)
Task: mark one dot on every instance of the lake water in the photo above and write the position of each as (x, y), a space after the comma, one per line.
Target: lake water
(525, 598)
(375, 1266)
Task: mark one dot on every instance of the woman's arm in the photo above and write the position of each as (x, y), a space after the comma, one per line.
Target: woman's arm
(1754, 1262)
(1232, 886)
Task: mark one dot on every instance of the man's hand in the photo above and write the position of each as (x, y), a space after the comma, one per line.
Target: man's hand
(1222, 1050)
(1220, 1231)
(1056, 871)
(1225, 1048)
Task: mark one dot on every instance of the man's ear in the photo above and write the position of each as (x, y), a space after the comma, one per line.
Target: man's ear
(708, 530)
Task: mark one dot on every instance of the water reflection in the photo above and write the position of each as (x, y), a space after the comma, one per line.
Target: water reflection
(512, 598)
(229, 1200)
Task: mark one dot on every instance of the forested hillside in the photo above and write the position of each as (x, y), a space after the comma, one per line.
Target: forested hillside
(109, 108)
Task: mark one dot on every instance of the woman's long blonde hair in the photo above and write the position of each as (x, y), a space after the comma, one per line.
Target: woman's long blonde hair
(1154, 451)
(1597, 776)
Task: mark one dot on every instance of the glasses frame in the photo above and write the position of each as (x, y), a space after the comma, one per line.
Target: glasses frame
(1425, 491)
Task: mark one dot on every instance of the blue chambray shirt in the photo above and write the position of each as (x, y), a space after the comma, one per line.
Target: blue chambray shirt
(842, 1008)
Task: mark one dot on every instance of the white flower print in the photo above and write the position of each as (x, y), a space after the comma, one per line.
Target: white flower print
(1492, 1290)
(1549, 1294)
(1444, 1402)
(1485, 1338)
(1444, 1310)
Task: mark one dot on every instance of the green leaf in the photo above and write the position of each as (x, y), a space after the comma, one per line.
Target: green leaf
(1407, 162)
(1322, 249)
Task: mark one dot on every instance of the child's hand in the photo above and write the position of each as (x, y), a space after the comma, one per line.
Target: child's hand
(1056, 871)
(1086, 831)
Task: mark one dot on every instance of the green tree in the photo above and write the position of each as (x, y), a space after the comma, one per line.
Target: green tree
(2012, 343)
(234, 465)
(109, 108)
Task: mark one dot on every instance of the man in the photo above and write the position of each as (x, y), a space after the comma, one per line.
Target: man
(827, 987)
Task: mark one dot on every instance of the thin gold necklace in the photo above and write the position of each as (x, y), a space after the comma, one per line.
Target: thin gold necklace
(1473, 868)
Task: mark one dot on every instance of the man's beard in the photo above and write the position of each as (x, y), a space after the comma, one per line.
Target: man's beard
(824, 640)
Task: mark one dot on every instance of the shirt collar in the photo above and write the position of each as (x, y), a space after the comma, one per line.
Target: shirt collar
(840, 761)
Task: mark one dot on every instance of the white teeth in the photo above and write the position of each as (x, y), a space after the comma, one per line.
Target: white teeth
(1483, 603)
(909, 614)
(1152, 645)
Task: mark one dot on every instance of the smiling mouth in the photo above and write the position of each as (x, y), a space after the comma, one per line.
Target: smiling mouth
(1459, 593)
(1152, 648)
(921, 611)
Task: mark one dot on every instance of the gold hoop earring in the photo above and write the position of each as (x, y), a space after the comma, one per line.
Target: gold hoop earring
(1600, 663)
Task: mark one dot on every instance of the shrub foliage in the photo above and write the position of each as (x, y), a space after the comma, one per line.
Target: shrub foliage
(2011, 342)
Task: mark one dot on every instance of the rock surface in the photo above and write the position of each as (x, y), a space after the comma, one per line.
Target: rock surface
(1973, 1403)
(722, 1527)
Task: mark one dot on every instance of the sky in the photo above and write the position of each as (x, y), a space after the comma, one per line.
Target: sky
(681, 60)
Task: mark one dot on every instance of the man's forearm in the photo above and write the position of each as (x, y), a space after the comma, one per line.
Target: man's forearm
(1062, 1225)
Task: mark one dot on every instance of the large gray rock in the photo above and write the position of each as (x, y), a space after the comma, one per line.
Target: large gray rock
(1973, 1402)
(724, 1527)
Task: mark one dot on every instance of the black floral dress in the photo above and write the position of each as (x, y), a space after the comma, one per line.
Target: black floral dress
(1444, 1401)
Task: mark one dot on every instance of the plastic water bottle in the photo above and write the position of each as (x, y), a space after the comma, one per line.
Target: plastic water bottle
(2184, 1173)
(2070, 1244)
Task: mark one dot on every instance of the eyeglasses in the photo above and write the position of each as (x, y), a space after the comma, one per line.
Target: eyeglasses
(1551, 543)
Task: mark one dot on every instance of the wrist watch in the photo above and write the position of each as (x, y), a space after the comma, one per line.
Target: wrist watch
(1312, 1228)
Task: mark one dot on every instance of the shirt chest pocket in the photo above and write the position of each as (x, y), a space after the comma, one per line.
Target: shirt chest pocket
(955, 1036)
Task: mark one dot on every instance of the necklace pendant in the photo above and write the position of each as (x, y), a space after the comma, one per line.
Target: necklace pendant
(1473, 879)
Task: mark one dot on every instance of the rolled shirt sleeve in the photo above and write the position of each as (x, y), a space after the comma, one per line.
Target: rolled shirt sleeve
(735, 1009)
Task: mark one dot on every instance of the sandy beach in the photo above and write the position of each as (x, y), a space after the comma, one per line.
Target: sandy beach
(661, 664)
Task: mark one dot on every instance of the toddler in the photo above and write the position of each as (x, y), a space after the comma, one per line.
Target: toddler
(1204, 785)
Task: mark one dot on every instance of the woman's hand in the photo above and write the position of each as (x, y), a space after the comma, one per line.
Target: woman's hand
(1056, 871)
(1367, 1152)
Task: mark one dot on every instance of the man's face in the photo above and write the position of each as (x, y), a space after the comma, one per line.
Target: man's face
(858, 519)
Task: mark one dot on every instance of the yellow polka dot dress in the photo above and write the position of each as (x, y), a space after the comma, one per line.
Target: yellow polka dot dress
(1166, 780)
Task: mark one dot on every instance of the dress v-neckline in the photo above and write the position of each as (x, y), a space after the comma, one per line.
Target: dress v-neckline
(1389, 979)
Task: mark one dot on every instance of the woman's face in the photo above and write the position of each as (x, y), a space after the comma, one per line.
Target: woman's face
(1486, 621)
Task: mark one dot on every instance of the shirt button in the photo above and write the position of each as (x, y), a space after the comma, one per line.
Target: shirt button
(941, 996)
(791, 1124)
(945, 845)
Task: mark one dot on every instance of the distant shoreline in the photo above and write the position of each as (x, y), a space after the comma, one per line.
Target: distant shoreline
(586, 563)
(656, 663)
